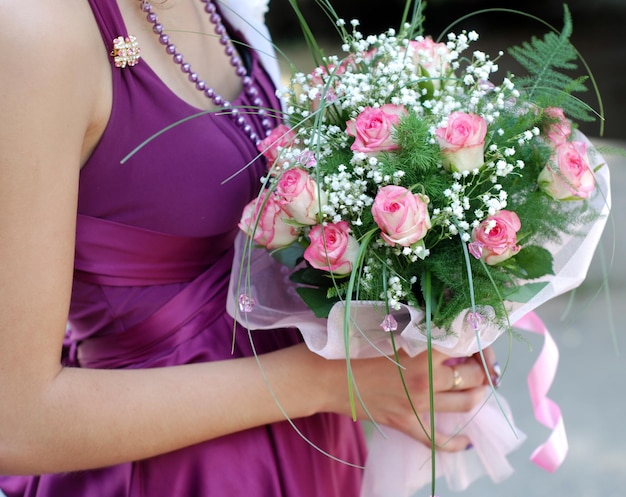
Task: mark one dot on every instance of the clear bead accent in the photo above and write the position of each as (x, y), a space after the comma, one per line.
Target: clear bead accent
(246, 303)
(474, 319)
(389, 324)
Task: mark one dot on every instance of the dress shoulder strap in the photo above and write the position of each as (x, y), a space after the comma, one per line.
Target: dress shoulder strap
(109, 19)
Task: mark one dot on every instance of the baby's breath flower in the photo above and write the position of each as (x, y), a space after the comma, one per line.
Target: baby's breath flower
(382, 69)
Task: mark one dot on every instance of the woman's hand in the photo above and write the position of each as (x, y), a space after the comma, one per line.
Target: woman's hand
(458, 386)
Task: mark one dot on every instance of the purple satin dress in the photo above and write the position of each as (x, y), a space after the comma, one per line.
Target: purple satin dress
(153, 260)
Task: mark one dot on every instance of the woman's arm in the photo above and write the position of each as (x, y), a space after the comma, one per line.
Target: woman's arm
(55, 86)
(54, 419)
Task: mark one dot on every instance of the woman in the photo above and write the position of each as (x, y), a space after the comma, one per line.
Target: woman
(151, 375)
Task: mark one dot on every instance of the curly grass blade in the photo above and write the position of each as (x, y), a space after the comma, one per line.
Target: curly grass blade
(286, 415)
(470, 284)
(607, 297)
(309, 37)
(406, 388)
(583, 61)
(363, 245)
(397, 360)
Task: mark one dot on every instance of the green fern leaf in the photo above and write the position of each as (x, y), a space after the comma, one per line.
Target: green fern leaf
(547, 84)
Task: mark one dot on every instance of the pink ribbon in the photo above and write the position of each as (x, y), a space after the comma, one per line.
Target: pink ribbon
(551, 454)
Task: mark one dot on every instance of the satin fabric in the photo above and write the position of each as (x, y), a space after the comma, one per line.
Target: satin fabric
(153, 261)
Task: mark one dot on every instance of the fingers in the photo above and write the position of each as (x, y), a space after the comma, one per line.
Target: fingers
(443, 442)
(458, 374)
(467, 372)
(459, 385)
(466, 375)
(454, 401)
(459, 401)
(493, 368)
(455, 443)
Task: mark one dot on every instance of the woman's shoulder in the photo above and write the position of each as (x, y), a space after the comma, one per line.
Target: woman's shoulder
(54, 67)
(39, 35)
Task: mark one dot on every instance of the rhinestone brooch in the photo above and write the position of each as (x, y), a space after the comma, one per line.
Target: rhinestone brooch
(126, 51)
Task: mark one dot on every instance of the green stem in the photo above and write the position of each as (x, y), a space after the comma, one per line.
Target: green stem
(431, 393)
(352, 284)
(470, 282)
(309, 37)
(396, 357)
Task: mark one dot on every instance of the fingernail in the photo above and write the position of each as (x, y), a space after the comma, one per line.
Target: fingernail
(497, 374)
(469, 446)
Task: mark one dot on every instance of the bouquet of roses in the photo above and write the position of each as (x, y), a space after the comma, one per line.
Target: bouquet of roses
(413, 201)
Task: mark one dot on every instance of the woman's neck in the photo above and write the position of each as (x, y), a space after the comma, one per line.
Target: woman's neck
(190, 29)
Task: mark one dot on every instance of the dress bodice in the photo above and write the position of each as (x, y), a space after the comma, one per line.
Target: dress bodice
(181, 182)
(163, 167)
(153, 260)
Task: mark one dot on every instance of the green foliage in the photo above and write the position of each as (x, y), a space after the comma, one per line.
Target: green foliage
(416, 155)
(317, 301)
(289, 256)
(524, 293)
(547, 220)
(531, 262)
(545, 60)
(414, 15)
(515, 152)
(450, 282)
(330, 164)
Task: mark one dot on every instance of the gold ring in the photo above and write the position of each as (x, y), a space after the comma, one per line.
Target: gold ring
(457, 379)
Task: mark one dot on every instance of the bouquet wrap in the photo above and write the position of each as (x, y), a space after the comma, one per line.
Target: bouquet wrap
(398, 465)
(404, 174)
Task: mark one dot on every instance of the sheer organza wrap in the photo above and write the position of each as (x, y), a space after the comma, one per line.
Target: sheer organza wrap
(398, 465)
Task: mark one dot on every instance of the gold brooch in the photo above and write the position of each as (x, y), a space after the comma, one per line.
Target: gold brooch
(126, 51)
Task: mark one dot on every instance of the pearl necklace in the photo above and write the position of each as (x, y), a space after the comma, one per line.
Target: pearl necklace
(235, 61)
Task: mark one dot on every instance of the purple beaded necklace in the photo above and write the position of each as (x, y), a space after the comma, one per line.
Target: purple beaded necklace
(235, 61)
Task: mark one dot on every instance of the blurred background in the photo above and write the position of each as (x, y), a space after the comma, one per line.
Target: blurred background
(590, 386)
(599, 27)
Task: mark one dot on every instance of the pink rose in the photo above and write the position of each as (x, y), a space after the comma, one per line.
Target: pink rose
(568, 176)
(332, 248)
(495, 239)
(559, 128)
(299, 196)
(430, 57)
(271, 147)
(401, 215)
(462, 141)
(373, 128)
(265, 221)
